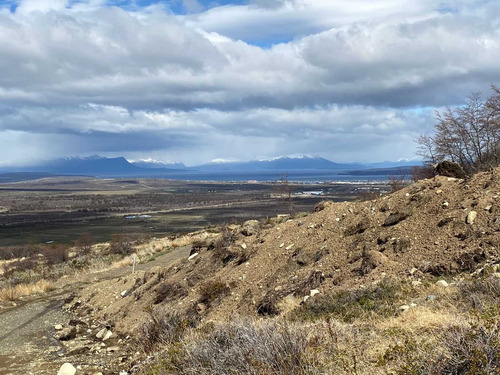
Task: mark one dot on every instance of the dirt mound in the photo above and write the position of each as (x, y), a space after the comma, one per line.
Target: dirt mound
(417, 233)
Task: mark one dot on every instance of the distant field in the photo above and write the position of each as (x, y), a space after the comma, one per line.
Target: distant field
(60, 209)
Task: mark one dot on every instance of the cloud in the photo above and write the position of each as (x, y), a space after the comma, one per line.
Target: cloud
(353, 80)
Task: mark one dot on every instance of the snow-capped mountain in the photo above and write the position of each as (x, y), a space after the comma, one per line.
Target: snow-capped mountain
(156, 164)
(283, 163)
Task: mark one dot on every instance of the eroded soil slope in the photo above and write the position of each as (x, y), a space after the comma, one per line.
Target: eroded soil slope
(433, 228)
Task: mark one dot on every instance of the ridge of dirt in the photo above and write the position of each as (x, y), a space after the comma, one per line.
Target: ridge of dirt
(420, 232)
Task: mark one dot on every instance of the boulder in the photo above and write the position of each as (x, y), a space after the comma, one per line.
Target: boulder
(450, 169)
(67, 369)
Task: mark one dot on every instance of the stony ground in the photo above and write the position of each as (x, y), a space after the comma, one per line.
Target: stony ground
(38, 334)
(435, 227)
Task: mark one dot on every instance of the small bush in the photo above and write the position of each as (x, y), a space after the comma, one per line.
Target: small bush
(20, 266)
(13, 252)
(397, 183)
(481, 295)
(471, 350)
(244, 347)
(121, 244)
(84, 243)
(212, 291)
(168, 291)
(163, 327)
(349, 305)
(56, 254)
(423, 172)
(221, 244)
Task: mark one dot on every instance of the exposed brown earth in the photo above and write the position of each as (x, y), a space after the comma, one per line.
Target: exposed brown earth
(418, 233)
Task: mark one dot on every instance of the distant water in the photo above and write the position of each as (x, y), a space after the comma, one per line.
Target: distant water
(265, 176)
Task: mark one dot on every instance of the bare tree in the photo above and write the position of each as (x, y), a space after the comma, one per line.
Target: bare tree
(468, 135)
(84, 243)
(284, 189)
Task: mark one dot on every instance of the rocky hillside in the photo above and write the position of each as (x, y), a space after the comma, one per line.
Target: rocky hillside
(433, 228)
(430, 235)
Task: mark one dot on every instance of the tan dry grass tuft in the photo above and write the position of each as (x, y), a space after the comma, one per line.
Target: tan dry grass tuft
(420, 319)
(21, 290)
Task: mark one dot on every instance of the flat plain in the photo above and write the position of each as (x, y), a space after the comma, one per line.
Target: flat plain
(60, 209)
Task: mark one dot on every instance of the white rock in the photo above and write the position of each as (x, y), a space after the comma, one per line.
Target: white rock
(58, 327)
(445, 204)
(289, 247)
(282, 244)
(123, 373)
(471, 217)
(313, 292)
(193, 256)
(101, 333)
(244, 246)
(442, 283)
(107, 336)
(124, 293)
(67, 369)
(404, 308)
(306, 298)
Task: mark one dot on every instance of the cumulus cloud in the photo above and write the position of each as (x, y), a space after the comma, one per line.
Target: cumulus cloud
(344, 77)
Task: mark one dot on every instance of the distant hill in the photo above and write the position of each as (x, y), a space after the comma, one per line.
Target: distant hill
(284, 163)
(86, 165)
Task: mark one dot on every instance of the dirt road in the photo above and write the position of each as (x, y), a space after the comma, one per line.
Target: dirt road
(27, 345)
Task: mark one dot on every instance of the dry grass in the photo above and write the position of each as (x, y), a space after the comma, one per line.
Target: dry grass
(22, 290)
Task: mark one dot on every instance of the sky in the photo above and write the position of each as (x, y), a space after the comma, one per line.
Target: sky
(196, 80)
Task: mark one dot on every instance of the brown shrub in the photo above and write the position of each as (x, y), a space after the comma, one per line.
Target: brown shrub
(423, 172)
(245, 347)
(84, 243)
(121, 244)
(213, 291)
(168, 291)
(163, 327)
(56, 254)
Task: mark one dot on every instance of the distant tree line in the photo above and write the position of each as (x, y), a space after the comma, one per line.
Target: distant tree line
(468, 135)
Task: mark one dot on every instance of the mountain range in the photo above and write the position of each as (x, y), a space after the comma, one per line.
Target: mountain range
(119, 166)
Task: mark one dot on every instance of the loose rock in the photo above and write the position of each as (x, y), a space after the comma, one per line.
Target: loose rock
(67, 369)
(471, 217)
(442, 283)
